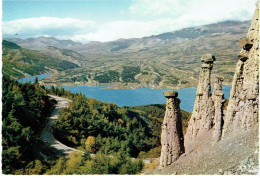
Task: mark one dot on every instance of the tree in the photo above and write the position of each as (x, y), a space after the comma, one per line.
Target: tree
(90, 144)
(36, 81)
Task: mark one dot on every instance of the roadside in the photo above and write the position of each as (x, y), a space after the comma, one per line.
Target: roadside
(47, 133)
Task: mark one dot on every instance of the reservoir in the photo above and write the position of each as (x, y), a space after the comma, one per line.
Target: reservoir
(132, 97)
(31, 79)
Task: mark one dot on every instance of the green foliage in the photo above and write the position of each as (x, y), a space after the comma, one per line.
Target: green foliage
(16, 59)
(79, 78)
(153, 115)
(108, 77)
(25, 107)
(114, 133)
(172, 80)
(145, 73)
(184, 82)
(98, 164)
(128, 73)
(10, 45)
(59, 91)
(153, 153)
(112, 127)
(90, 144)
(129, 130)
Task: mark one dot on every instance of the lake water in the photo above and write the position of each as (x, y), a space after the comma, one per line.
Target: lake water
(32, 79)
(135, 97)
(141, 96)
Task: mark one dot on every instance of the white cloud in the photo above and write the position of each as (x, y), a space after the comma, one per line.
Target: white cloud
(219, 9)
(164, 16)
(47, 26)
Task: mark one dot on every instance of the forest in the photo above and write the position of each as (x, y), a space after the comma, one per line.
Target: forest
(120, 137)
(89, 124)
(24, 111)
(108, 77)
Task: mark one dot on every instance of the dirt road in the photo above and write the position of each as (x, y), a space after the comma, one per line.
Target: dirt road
(47, 133)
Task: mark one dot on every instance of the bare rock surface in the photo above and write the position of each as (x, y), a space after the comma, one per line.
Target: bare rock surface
(203, 112)
(218, 97)
(172, 136)
(242, 111)
(228, 156)
(235, 149)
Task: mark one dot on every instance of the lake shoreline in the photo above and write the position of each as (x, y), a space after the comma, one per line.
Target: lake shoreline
(112, 86)
(136, 96)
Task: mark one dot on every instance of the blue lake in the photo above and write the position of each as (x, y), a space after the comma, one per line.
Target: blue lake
(141, 96)
(31, 79)
(135, 97)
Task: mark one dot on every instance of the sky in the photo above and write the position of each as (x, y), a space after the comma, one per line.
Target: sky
(108, 20)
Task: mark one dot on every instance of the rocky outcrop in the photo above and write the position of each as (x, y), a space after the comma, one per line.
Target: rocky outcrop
(242, 111)
(172, 136)
(203, 112)
(218, 98)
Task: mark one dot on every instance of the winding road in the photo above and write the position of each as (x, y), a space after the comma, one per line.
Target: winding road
(47, 133)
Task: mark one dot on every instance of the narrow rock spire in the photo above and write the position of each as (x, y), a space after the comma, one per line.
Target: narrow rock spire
(172, 136)
(218, 98)
(203, 112)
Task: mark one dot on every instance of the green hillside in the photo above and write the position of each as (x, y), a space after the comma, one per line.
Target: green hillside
(25, 108)
(19, 62)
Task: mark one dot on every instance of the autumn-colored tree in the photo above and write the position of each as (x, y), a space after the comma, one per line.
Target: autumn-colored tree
(73, 164)
(90, 144)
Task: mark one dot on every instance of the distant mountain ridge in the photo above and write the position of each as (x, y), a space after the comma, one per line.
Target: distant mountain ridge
(42, 42)
(167, 60)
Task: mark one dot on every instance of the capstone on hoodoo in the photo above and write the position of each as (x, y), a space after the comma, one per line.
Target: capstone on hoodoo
(172, 136)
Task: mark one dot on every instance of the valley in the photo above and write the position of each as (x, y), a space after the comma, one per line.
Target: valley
(168, 60)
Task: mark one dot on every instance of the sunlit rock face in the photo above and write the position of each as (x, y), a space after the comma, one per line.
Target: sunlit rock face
(218, 98)
(242, 111)
(203, 113)
(172, 136)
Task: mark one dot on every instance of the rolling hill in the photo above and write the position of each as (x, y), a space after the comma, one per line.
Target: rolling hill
(168, 60)
(20, 62)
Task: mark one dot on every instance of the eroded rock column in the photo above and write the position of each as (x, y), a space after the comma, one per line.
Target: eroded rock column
(242, 111)
(203, 112)
(218, 98)
(172, 140)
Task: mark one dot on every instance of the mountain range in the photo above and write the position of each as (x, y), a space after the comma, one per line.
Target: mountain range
(168, 60)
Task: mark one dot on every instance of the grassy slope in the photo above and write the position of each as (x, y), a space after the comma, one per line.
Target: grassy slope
(19, 62)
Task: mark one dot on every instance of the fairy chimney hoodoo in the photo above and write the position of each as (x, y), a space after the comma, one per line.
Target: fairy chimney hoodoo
(203, 112)
(172, 136)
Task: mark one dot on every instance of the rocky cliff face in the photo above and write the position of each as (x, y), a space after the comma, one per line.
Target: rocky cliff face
(172, 136)
(242, 111)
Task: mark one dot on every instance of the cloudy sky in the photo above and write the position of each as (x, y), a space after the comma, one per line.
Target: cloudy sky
(107, 20)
